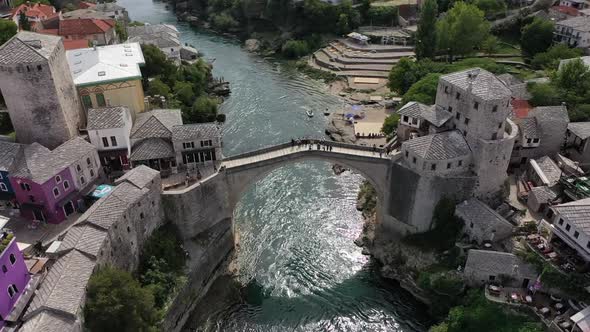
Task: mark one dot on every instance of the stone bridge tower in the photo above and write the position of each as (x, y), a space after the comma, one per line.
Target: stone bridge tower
(38, 88)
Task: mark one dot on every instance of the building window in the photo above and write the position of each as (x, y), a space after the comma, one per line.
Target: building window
(57, 179)
(414, 160)
(466, 121)
(87, 101)
(22, 186)
(535, 140)
(433, 167)
(528, 141)
(588, 244)
(460, 163)
(12, 290)
(448, 165)
(457, 96)
(113, 141)
(499, 125)
(91, 172)
(3, 187)
(210, 142)
(464, 132)
(28, 187)
(105, 142)
(568, 227)
(66, 185)
(188, 145)
(78, 168)
(128, 229)
(495, 108)
(471, 224)
(141, 215)
(55, 192)
(100, 100)
(406, 120)
(450, 109)
(407, 154)
(12, 259)
(560, 222)
(446, 89)
(458, 116)
(4, 268)
(475, 105)
(492, 278)
(576, 234)
(39, 68)
(88, 161)
(32, 198)
(414, 122)
(82, 180)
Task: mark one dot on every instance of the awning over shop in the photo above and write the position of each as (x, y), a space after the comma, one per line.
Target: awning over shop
(101, 191)
(357, 36)
(31, 207)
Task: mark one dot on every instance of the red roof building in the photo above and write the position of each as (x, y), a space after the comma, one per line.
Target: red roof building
(35, 12)
(563, 12)
(100, 31)
(75, 44)
(520, 108)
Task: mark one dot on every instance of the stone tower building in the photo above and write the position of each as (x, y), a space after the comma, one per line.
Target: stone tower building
(480, 106)
(38, 88)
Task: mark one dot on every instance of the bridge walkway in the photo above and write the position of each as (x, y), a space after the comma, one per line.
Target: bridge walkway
(338, 150)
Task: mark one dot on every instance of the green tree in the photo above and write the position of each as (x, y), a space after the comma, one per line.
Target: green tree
(383, 15)
(491, 8)
(390, 125)
(156, 63)
(536, 37)
(183, 91)
(7, 29)
(461, 30)
(343, 27)
(116, 302)
(551, 58)
(573, 81)
(490, 45)
(224, 21)
(407, 72)
(198, 74)
(204, 109)
(159, 280)
(295, 48)
(159, 88)
(426, 34)
(121, 31)
(543, 94)
(423, 91)
(23, 21)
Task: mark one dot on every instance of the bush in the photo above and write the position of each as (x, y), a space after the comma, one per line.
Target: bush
(158, 88)
(223, 22)
(116, 302)
(550, 59)
(382, 15)
(295, 48)
(390, 125)
(543, 94)
(204, 109)
(423, 91)
(536, 36)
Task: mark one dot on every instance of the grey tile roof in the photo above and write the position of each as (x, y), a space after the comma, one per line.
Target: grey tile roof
(107, 117)
(576, 213)
(481, 215)
(64, 288)
(151, 148)
(580, 129)
(440, 146)
(156, 123)
(496, 263)
(28, 47)
(413, 109)
(39, 164)
(436, 115)
(543, 194)
(111, 208)
(579, 23)
(549, 168)
(48, 321)
(8, 154)
(139, 176)
(528, 127)
(189, 132)
(509, 79)
(84, 237)
(550, 114)
(484, 84)
(520, 91)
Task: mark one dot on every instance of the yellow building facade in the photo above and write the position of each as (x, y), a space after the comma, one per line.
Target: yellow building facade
(126, 93)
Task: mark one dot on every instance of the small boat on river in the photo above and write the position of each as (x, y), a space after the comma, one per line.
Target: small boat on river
(309, 113)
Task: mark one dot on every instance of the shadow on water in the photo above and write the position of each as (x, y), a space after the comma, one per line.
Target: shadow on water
(358, 298)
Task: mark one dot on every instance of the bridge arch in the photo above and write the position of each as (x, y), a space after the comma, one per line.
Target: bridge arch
(242, 171)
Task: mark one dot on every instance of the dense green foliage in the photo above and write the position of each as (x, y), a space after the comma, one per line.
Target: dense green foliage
(570, 84)
(23, 21)
(536, 37)
(426, 34)
(223, 21)
(295, 48)
(116, 302)
(162, 263)
(445, 231)
(390, 125)
(478, 314)
(461, 30)
(184, 86)
(367, 196)
(121, 31)
(550, 58)
(382, 15)
(490, 45)
(423, 91)
(491, 8)
(7, 29)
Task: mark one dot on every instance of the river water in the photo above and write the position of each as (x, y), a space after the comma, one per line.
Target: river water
(298, 224)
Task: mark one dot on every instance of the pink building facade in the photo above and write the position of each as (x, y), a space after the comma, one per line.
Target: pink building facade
(14, 277)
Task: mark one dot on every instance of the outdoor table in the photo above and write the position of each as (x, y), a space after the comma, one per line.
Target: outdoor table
(552, 255)
(558, 305)
(565, 325)
(544, 310)
(541, 246)
(529, 299)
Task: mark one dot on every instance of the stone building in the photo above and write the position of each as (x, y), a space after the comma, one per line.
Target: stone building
(417, 119)
(577, 146)
(481, 223)
(196, 144)
(109, 129)
(485, 266)
(574, 32)
(539, 199)
(8, 153)
(109, 76)
(37, 86)
(120, 222)
(570, 224)
(544, 172)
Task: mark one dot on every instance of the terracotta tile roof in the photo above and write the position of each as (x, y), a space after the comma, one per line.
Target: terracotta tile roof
(75, 44)
(571, 11)
(49, 32)
(35, 10)
(520, 108)
(84, 26)
(85, 5)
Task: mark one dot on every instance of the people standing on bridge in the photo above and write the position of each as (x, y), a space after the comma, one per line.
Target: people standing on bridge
(380, 153)
(374, 148)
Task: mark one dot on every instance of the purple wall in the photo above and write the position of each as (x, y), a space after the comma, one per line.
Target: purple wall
(43, 194)
(16, 274)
